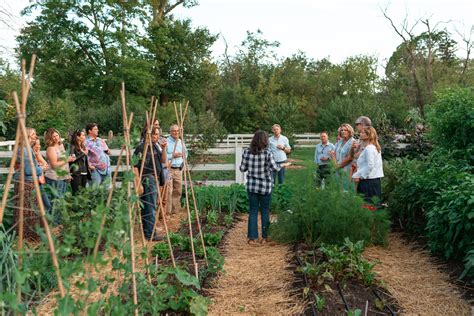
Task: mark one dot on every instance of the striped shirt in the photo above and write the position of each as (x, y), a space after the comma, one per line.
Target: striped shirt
(260, 168)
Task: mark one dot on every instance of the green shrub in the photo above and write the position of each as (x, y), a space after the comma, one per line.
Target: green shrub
(81, 217)
(281, 198)
(433, 195)
(450, 218)
(329, 216)
(451, 119)
(161, 250)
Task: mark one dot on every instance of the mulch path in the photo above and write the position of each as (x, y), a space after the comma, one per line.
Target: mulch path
(415, 281)
(256, 279)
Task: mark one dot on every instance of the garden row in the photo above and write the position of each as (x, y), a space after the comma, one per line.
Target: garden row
(432, 195)
(103, 285)
(329, 229)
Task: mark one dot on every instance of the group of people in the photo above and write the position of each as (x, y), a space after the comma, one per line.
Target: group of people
(88, 164)
(162, 176)
(358, 163)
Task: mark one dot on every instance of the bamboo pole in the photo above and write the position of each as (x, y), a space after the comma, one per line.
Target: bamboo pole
(39, 198)
(186, 165)
(11, 172)
(107, 204)
(160, 201)
(196, 270)
(129, 192)
(21, 193)
(25, 89)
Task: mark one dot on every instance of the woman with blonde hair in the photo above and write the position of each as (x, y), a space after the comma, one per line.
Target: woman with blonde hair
(369, 166)
(58, 174)
(342, 154)
(31, 216)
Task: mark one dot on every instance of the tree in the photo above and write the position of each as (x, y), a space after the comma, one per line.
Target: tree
(181, 59)
(162, 8)
(82, 46)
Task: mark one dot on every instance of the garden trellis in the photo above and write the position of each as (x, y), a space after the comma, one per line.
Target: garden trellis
(91, 264)
(21, 144)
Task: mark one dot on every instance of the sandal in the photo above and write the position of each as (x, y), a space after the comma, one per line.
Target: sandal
(252, 242)
(263, 241)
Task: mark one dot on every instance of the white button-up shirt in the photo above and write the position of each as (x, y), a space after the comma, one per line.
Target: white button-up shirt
(369, 164)
(278, 154)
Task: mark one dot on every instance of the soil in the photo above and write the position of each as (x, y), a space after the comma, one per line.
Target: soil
(295, 164)
(355, 293)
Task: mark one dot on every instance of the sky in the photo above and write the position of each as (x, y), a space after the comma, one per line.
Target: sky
(336, 29)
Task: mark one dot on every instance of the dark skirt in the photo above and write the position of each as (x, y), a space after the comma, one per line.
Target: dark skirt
(31, 215)
(371, 189)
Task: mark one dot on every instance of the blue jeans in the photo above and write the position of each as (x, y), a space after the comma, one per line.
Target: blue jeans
(45, 198)
(281, 173)
(148, 199)
(97, 178)
(262, 202)
(57, 189)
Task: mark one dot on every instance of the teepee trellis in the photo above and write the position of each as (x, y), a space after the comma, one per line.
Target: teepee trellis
(22, 145)
(187, 179)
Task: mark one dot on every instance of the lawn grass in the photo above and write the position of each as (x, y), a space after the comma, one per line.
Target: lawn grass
(294, 177)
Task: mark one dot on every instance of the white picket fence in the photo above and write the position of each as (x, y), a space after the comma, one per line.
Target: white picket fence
(233, 144)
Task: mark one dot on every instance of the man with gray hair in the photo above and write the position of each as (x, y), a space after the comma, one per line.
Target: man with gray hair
(358, 146)
(279, 146)
(176, 151)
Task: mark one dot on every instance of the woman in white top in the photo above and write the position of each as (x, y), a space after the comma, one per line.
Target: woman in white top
(369, 166)
(58, 173)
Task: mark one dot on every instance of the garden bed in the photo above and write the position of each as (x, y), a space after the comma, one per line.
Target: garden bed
(333, 288)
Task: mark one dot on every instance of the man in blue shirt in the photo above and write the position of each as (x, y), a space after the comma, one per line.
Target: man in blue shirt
(279, 146)
(322, 157)
(175, 151)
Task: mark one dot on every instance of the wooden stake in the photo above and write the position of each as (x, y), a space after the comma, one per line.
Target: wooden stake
(25, 89)
(130, 216)
(109, 201)
(160, 206)
(192, 191)
(38, 196)
(196, 270)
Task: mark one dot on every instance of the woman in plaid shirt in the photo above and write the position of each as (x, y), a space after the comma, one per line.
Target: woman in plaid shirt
(259, 164)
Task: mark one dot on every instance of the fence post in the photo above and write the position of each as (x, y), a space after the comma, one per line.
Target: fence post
(239, 176)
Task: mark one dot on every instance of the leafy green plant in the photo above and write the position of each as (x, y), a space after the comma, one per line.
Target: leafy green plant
(355, 312)
(161, 250)
(212, 217)
(229, 219)
(340, 263)
(451, 119)
(8, 262)
(213, 239)
(281, 198)
(174, 289)
(329, 216)
(320, 302)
